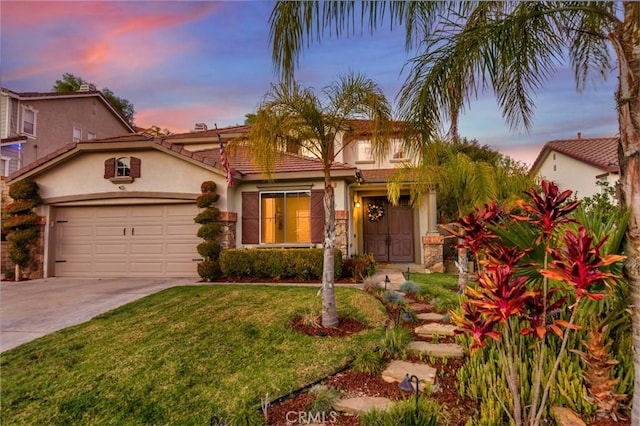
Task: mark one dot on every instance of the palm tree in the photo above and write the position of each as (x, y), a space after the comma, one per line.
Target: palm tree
(465, 182)
(295, 117)
(512, 48)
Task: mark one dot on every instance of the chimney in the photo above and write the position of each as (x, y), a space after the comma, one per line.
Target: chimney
(579, 135)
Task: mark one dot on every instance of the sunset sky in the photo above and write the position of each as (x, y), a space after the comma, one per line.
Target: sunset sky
(181, 63)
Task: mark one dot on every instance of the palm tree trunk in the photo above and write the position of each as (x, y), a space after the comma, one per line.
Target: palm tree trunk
(463, 273)
(625, 43)
(329, 309)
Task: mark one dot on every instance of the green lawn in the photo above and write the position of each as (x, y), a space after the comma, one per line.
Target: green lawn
(441, 288)
(179, 357)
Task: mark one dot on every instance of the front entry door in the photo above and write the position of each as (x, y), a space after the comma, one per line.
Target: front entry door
(389, 239)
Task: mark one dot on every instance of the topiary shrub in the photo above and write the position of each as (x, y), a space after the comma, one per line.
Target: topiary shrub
(210, 231)
(20, 224)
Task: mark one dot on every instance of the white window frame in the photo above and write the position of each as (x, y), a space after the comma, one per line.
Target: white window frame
(5, 171)
(77, 134)
(123, 167)
(284, 215)
(25, 110)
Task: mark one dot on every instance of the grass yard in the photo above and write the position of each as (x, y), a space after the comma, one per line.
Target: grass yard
(441, 289)
(179, 357)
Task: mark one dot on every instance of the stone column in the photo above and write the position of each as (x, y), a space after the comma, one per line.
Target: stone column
(432, 223)
(228, 221)
(433, 245)
(342, 231)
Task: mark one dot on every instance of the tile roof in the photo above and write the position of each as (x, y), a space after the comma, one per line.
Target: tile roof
(376, 175)
(598, 152)
(240, 159)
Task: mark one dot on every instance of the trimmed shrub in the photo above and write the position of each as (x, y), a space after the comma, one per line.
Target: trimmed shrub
(19, 223)
(210, 232)
(323, 398)
(207, 216)
(300, 264)
(25, 190)
(210, 249)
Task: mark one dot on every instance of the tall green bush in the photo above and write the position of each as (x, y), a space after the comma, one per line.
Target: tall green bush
(210, 232)
(20, 223)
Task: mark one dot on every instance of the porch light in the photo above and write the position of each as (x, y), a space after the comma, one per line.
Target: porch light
(407, 385)
(356, 204)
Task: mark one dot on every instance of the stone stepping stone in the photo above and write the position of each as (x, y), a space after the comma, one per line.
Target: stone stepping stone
(362, 404)
(428, 330)
(566, 417)
(417, 307)
(431, 316)
(397, 370)
(440, 350)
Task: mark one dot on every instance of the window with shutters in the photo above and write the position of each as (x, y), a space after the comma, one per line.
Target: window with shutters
(122, 169)
(285, 217)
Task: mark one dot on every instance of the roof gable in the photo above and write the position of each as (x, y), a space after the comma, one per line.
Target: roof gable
(598, 152)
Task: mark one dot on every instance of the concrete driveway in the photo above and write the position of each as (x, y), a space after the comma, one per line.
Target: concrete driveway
(31, 309)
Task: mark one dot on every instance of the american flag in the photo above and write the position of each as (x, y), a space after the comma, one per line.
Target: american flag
(223, 159)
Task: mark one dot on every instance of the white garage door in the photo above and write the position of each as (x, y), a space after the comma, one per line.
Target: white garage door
(126, 241)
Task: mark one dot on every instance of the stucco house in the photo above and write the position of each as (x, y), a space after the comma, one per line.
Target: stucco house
(578, 164)
(33, 125)
(124, 206)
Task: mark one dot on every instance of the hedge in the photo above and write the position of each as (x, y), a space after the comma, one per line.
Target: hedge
(302, 264)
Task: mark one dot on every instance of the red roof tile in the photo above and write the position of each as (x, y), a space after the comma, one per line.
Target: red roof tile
(598, 152)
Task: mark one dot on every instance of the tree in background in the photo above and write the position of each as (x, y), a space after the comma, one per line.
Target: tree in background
(512, 48)
(293, 116)
(71, 83)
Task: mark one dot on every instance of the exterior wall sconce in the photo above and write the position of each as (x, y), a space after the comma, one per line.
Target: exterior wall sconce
(407, 385)
(356, 204)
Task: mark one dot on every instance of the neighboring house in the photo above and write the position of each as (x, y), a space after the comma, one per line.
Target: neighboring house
(578, 164)
(33, 125)
(124, 206)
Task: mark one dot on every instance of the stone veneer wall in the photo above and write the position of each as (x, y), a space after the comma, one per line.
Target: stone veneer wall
(5, 264)
(342, 232)
(433, 245)
(229, 222)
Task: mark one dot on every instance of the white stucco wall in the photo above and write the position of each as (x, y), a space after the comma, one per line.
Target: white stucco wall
(569, 173)
(160, 173)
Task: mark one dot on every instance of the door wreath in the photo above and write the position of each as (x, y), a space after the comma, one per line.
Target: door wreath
(375, 212)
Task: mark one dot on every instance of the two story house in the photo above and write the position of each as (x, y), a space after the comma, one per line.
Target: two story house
(132, 212)
(579, 164)
(33, 125)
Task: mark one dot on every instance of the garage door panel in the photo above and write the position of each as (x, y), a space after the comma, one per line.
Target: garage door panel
(144, 240)
(148, 230)
(119, 249)
(145, 248)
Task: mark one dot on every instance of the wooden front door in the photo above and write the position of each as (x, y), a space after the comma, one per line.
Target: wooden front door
(390, 239)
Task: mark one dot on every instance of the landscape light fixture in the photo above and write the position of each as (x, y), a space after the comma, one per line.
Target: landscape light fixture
(406, 316)
(386, 282)
(408, 274)
(407, 385)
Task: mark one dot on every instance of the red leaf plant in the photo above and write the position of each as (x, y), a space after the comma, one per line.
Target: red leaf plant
(578, 264)
(547, 210)
(508, 305)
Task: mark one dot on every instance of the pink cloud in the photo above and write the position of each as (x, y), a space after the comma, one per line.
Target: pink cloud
(106, 39)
